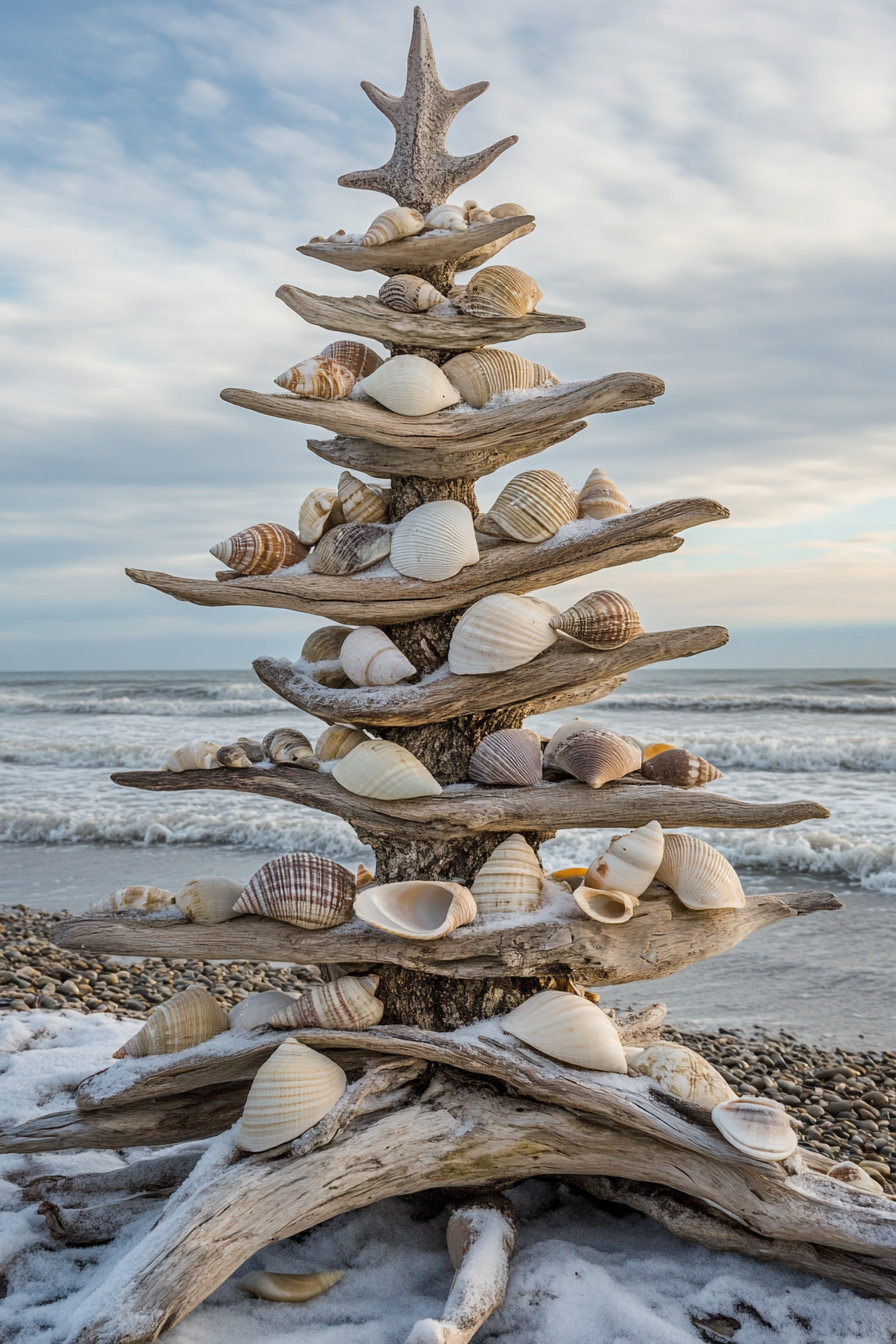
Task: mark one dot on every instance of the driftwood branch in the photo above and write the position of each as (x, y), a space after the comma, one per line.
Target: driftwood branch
(481, 1236)
(409, 256)
(378, 459)
(154, 1175)
(93, 1225)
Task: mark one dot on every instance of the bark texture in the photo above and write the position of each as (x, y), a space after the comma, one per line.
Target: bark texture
(437, 1003)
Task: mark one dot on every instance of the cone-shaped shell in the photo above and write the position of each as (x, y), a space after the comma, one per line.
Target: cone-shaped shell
(451, 217)
(348, 1004)
(570, 1028)
(288, 1287)
(209, 900)
(322, 379)
(419, 910)
(319, 512)
(592, 755)
(287, 746)
(680, 768)
(399, 222)
(256, 1010)
(602, 620)
(381, 769)
(369, 658)
(700, 876)
(654, 749)
(233, 756)
(511, 879)
(629, 862)
(337, 741)
(148, 899)
(291, 1091)
(302, 889)
(480, 375)
(600, 498)
(507, 210)
(261, 549)
(359, 359)
(684, 1073)
(850, 1173)
(361, 503)
(364, 876)
(409, 294)
(607, 907)
(509, 756)
(198, 754)
(323, 645)
(184, 1021)
(435, 541)
(758, 1128)
(350, 548)
(409, 385)
(500, 632)
(531, 507)
(501, 291)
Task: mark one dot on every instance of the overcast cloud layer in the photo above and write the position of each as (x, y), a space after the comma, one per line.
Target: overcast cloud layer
(715, 195)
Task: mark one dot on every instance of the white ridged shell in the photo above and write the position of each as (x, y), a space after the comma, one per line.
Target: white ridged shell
(453, 217)
(570, 1028)
(600, 498)
(304, 889)
(337, 741)
(346, 1004)
(399, 222)
(511, 879)
(291, 1091)
(208, 900)
(509, 756)
(480, 375)
(369, 658)
(361, 503)
(323, 645)
(590, 754)
(186, 1020)
(607, 907)
(409, 385)
(500, 632)
(256, 1010)
(684, 1073)
(419, 910)
(149, 899)
(382, 769)
(500, 291)
(531, 507)
(198, 754)
(629, 862)
(318, 512)
(755, 1127)
(409, 294)
(700, 876)
(435, 541)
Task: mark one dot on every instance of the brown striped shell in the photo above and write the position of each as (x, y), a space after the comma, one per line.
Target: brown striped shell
(359, 359)
(350, 548)
(302, 889)
(509, 756)
(361, 503)
(323, 645)
(348, 1004)
(480, 375)
(186, 1020)
(261, 549)
(409, 294)
(320, 378)
(531, 507)
(500, 291)
(590, 754)
(600, 498)
(603, 620)
(287, 746)
(680, 768)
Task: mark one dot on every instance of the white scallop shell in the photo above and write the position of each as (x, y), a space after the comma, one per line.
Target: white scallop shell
(683, 1072)
(435, 541)
(409, 385)
(629, 862)
(291, 1091)
(607, 907)
(756, 1127)
(256, 1010)
(511, 879)
(195, 755)
(419, 910)
(499, 632)
(570, 1028)
(509, 756)
(531, 507)
(369, 658)
(382, 769)
(209, 900)
(700, 876)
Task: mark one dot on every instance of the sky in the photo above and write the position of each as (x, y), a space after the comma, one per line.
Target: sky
(714, 189)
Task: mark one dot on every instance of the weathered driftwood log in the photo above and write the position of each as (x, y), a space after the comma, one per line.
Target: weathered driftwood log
(154, 1175)
(481, 1236)
(93, 1225)
(377, 459)
(435, 257)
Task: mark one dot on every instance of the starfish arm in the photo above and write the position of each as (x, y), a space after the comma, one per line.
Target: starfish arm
(387, 103)
(369, 179)
(462, 169)
(458, 98)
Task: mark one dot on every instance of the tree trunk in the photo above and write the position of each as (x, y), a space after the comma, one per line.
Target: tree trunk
(441, 1003)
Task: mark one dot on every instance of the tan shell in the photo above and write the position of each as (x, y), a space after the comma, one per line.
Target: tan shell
(600, 498)
(302, 889)
(756, 1127)
(382, 769)
(700, 876)
(323, 645)
(186, 1020)
(435, 541)
(419, 910)
(607, 907)
(500, 291)
(511, 879)
(500, 632)
(592, 755)
(601, 620)
(532, 507)
(680, 768)
(208, 900)
(629, 862)
(350, 548)
(288, 1287)
(233, 756)
(476, 215)
(369, 658)
(361, 503)
(287, 746)
(256, 1010)
(850, 1173)
(398, 222)
(480, 375)
(509, 210)
(570, 1028)
(508, 756)
(319, 511)
(453, 217)
(260, 549)
(148, 899)
(318, 377)
(337, 741)
(409, 294)
(364, 876)
(197, 754)
(359, 359)
(349, 1004)
(684, 1073)
(290, 1092)
(409, 385)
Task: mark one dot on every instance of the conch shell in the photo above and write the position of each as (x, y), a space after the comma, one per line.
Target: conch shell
(678, 767)
(383, 769)
(590, 754)
(348, 1004)
(369, 658)
(147, 899)
(323, 645)
(208, 900)
(186, 1020)
(287, 746)
(756, 1127)
(302, 889)
(499, 632)
(500, 291)
(359, 359)
(391, 225)
(607, 907)
(261, 549)
(452, 217)
(569, 1028)
(319, 511)
(409, 385)
(700, 876)
(531, 507)
(290, 1092)
(435, 541)
(508, 756)
(509, 210)
(361, 503)
(629, 862)
(256, 1010)
(409, 294)
(197, 754)
(601, 620)
(350, 548)
(684, 1073)
(288, 1287)
(337, 741)
(419, 910)
(511, 879)
(320, 378)
(600, 498)
(480, 375)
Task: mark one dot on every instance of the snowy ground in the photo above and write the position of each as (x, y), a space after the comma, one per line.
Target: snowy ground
(579, 1276)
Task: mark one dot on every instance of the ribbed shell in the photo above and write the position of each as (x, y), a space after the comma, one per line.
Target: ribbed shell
(318, 377)
(509, 756)
(629, 862)
(532, 507)
(435, 541)
(323, 645)
(601, 620)
(382, 769)
(359, 359)
(370, 658)
(208, 900)
(508, 210)
(480, 375)
(700, 876)
(607, 907)
(260, 549)
(302, 889)
(570, 1028)
(233, 756)
(409, 294)
(148, 899)
(350, 548)
(399, 222)
(256, 1010)
(501, 291)
(419, 910)
(291, 1091)
(453, 217)
(511, 879)
(287, 746)
(288, 1287)
(759, 1129)
(319, 511)
(592, 755)
(600, 498)
(186, 1020)
(684, 1073)
(337, 741)
(409, 385)
(197, 754)
(361, 503)
(680, 768)
(348, 1004)
(500, 632)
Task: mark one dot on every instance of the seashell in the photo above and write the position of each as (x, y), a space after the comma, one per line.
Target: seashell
(480, 375)
(323, 645)
(334, 678)
(607, 907)
(320, 378)
(476, 214)
(399, 222)
(602, 620)
(361, 503)
(590, 754)
(700, 876)
(148, 899)
(287, 746)
(319, 511)
(382, 769)
(500, 291)
(337, 741)
(654, 749)
(195, 755)
(629, 862)
(756, 1127)
(348, 1003)
(234, 756)
(288, 1287)
(364, 876)
(570, 1028)
(254, 750)
(684, 1073)
(260, 549)
(359, 359)
(336, 237)
(511, 879)
(500, 632)
(678, 767)
(509, 210)
(370, 658)
(208, 900)
(455, 293)
(350, 548)
(409, 385)
(302, 889)
(256, 1010)
(409, 294)
(452, 217)
(421, 910)
(600, 498)
(186, 1020)
(850, 1173)
(290, 1092)
(572, 877)
(509, 756)
(435, 541)
(532, 507)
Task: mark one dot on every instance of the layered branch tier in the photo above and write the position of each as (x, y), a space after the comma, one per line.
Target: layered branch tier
(459, 463)
(409, 256)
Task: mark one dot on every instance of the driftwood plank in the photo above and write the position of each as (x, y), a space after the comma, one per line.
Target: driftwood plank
(469, 249)
(378, 459)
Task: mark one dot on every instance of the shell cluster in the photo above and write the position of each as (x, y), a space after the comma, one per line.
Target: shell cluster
(593, 755)
(419, 910)
(304, 889)
(531, 507)
(331, 375)
(261, 549)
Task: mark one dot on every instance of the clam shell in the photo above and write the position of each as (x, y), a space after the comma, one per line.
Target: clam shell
(195, 755)
(288, 1287)
(323, 645)
(409, 294)
(319, 512)
(287, 746)
(398, 222)
(509, 210)
(500, 632)
(354, 356)
(684, 1073)
(369, 658)
(629, 862)
(382, 769)
(601, 620)
(419, 910)
(148, 899)
(500, 291)
(409, 385)
(350, 548)
(361, 503)
(480, 375)
(290, 1092)
(607, 907)
(592, 755)
(511, 879)
(453, 217)
(509, 756)
(435, 541)
(654, 749)
(186, 1020)
(678, 767)
(208, 900)
(320, 378)
(531, 507)
(337, 741)
(302, 889)
(600, 498)
(348, 1003)
(569, 1028)
(758, 1128)
(700, 876)
(261, 549)
(256, 1010)
(850, 1173)
(233, 756)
